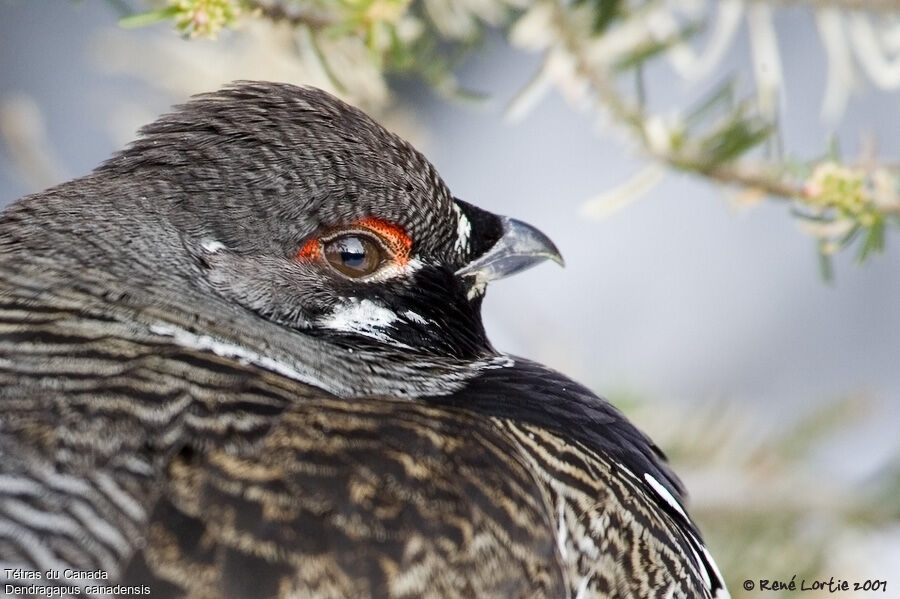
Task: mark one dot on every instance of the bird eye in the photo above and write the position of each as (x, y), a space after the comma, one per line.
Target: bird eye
(353, 255)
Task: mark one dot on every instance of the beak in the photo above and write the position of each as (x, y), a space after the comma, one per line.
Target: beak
(520, 247)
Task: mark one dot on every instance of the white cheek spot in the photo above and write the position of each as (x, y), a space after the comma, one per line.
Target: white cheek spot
(463, 229)
(212, 246)
(363, 317)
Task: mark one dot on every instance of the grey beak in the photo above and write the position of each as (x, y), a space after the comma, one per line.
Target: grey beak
(520, 247)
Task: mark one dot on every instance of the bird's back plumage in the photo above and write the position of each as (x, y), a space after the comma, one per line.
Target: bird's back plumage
(192, 401)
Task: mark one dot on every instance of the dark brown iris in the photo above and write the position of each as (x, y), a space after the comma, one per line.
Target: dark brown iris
(353, 254)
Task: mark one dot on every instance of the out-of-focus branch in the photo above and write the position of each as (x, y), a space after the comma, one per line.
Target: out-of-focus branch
(279, 12)
(839, 204)
(762, 178)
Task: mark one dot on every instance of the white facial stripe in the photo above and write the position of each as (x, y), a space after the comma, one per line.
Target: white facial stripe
(463, 229)
(363, 317)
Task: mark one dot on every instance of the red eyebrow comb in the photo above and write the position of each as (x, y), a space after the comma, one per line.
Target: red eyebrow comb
(393, 236)
(398, 242)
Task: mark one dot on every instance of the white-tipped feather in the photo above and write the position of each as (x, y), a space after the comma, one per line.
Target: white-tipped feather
(706, 560)
(665, 494)
(463, 230)
(414, 317)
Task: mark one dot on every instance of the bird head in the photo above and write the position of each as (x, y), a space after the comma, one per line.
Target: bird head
(305, 211)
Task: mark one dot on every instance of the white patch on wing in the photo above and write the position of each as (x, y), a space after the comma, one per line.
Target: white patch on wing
(707, 560)
(463, 229)
(363, 317)
(665, 494)
(700, 565)
(722, 592)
